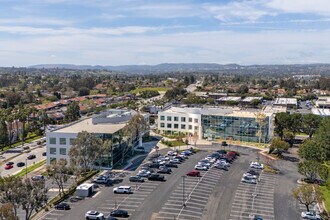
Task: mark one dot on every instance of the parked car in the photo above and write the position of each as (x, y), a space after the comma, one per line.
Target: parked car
(94, 215)
(10, 163)
(194, 173)
(156, 177)
(204, 164)
(166, 170)
(175, 161)
(154, 165)
(247, 180)
(20, 164)
(257, 217)
(221, 151)
(38, 178)
(221, 166)
(123, 189)
(253, 172)
(102, 179)
(310, 215)
(62, 206)
(249, 176)
(76, 198)
(200, 167)
(171, 153)
(256, 165)
(8, 167)
(143, 173)
(119, 213)
(171, 165)
(31, 157)
(110, 218)
(44, 153)
(136, 179)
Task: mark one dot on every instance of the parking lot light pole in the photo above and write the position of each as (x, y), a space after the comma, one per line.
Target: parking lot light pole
(183, 193)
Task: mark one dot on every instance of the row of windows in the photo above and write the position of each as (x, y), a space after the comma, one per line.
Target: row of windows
(53, 150)
(176, 126)
(175, 118)
(62, 141)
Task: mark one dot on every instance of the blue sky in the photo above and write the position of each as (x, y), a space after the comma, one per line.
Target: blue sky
(119, 32)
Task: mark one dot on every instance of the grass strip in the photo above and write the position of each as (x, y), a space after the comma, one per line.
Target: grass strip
(31, 168)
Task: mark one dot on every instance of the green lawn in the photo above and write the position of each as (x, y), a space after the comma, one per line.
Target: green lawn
(28, 139)
(159, 89)
(177, 143)
(326, 196)
(31, 168)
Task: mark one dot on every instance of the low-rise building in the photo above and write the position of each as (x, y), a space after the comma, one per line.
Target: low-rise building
(286, 102)
(224, 100)
(324, 112)
(248, 100)
(107, 125)
(323, 102)
(214, 123)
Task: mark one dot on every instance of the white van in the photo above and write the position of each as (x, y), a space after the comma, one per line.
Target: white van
(122, 189)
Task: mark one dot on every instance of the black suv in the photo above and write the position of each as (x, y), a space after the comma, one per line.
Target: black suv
(156, 177)
(171, 165)
(136, 179)
(31, 156)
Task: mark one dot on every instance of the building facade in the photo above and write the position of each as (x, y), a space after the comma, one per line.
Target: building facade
(215, 123)
(107, 126)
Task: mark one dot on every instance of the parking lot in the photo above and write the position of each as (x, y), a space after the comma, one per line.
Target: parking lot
(255, 199)
(216, 194)
(190, 197)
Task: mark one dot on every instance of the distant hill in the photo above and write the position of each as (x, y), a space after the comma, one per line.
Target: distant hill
(195, 67)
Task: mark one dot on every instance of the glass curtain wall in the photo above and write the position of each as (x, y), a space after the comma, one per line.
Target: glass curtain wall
(234, 128)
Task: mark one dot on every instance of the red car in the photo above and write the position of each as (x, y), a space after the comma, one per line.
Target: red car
(8, 167)
(194, 173)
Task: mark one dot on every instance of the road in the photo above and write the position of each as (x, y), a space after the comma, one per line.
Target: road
(21, 157)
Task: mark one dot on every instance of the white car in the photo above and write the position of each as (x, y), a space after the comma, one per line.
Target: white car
(171, 153)
(252, 181)
(256, 165)
(94, 215)
(223, 162)
(204, 164)
(200, 167)
(143, 173)
(310, 215)
(249, 176)
(123, 189)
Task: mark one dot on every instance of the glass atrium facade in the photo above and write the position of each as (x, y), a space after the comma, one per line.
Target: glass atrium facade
(234, 128)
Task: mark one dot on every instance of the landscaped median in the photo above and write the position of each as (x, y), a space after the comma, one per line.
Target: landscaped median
(326, 197)
(30, 168)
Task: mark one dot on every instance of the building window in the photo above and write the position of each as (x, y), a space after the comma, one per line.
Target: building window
(190, 119)
(162, 125)
(183, 119)
(52, 150)
(71, 141)
(196, 127)
(162, 118)
(176, 126)
(176, 118)
(62, 141)
(52, 140)
(183, 126)
(52, 160)
(63, 151)
(190, 127)
(169, 118)
(196, 120)
(169, 125)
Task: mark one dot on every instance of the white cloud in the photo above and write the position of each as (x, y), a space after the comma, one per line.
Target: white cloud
(36, 21)
(301, 6)
(268, 47)
(239, 10)
(27, 30)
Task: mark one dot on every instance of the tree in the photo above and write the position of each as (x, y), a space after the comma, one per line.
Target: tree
(243, 89)
(312, 150)
(324, 171)
(72, 112)
(58, 172)
(4, 137)
(85, 150)
(282, 122)
(260, 119)
(33, 196)
(255, 102)
(83, 91)
(10, 191)
(307, 194)
(278, 145)
(309, 169)
(44, 119)
(7, 213)
(195, 138)
(310, 124)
